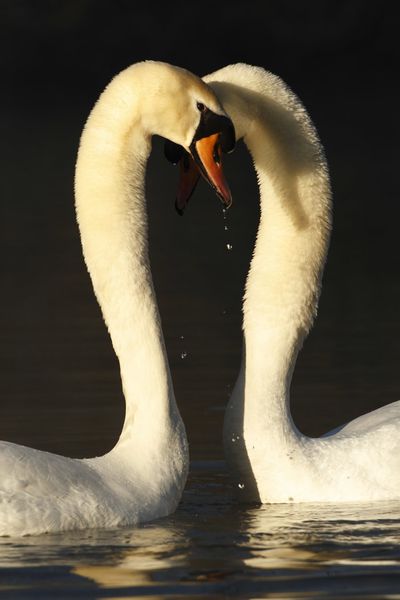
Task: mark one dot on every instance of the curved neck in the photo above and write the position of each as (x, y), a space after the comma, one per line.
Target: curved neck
(283, 283)
(111, 213)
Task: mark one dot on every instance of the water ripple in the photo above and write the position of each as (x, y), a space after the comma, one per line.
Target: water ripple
(216, 548)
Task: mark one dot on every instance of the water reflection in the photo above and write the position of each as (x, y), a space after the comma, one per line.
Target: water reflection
(312, 533)
(215, 548)
(153, 550)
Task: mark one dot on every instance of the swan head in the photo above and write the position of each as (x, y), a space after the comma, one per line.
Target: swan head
(214, 134)
(180, 107)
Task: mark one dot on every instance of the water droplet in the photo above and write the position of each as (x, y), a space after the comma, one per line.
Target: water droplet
(181, 337)
(229, 246)
(183, 354)
(233, 440)
(226, 227)
(241, 485)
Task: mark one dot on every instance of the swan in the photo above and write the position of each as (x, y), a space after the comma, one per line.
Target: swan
(143, 476)
(270, 460)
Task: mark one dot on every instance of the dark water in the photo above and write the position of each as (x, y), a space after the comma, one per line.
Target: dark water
(59, 381)
(213, 548)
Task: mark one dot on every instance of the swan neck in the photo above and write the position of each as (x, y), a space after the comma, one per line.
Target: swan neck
(284, 279)
(110, 205)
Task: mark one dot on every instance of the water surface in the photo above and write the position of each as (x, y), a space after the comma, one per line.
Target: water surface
(213, 548)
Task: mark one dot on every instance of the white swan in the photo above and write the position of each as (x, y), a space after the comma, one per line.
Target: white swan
(269, 459)
(273, 461)
(143, 476)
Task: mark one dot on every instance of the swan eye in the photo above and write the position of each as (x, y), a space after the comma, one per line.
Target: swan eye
(201, 107)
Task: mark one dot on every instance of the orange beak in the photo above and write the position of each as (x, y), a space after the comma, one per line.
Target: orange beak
(209, 155)
(188, 177)
(205, 159)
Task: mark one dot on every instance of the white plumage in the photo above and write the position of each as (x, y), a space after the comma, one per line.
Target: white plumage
(269, 458)
(142, 478)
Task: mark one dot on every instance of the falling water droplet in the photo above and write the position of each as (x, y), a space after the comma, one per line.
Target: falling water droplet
(226, 227)
(229, 246)
(233, 440)
(241, 485)
(181, 337)
(183, 354)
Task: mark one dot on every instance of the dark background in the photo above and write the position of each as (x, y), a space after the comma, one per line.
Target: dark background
(59, 381)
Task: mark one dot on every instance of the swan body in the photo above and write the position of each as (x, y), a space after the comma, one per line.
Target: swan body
(143, 476)
(270, 459)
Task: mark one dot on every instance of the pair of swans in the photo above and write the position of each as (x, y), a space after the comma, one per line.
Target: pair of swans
(142, 478)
